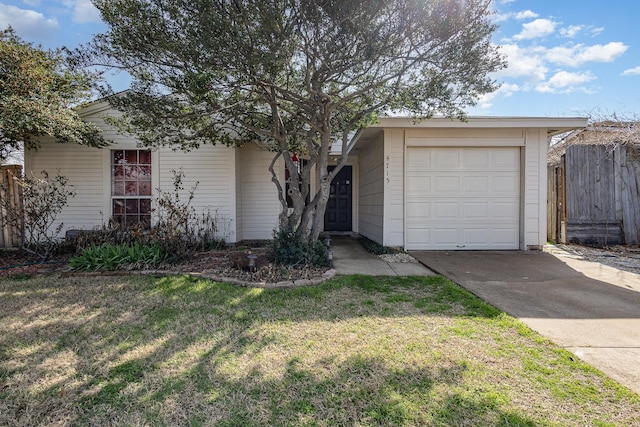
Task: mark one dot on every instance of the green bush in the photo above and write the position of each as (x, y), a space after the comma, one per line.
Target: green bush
(114, 257)
(376, 248)
(290, 249)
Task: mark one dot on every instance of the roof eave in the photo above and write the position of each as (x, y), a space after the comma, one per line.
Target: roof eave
(553, 125)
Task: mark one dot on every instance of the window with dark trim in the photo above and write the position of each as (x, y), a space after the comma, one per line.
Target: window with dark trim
(131, 187)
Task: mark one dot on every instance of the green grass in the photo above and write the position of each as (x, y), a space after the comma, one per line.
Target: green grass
(355, 351)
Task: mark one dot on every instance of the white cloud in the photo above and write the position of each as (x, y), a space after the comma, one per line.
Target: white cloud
(632, 71)
(571, 31)
(563, 55)
(603, 53)
(533, 63)
(505, 90)
(27, 23)
(565, 82)
(580, 54)
(83, 11)
(536, 29)
(525, 14)
(524, 62)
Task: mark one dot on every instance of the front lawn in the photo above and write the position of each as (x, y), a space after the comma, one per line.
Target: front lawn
(355, 351)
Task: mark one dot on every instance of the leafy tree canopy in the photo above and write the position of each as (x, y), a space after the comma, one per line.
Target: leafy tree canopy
(37, 93)
(295, 75)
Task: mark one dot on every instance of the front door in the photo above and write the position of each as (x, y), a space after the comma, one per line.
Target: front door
(337, 217)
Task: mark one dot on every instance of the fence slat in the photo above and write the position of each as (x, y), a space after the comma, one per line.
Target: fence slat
(10, 192)
(630, 197)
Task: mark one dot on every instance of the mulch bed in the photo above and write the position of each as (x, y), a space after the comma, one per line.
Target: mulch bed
(224, 263)
(17, 263)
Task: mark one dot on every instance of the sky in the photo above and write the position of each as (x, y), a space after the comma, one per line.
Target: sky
(566, 57)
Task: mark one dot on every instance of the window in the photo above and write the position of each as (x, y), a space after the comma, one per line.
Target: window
(131, 187)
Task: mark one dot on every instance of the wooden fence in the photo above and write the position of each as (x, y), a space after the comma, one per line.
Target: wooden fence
(10, 192)
(594, 196)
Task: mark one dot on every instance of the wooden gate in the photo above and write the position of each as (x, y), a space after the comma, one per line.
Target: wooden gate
(11, 194)
(594, 196)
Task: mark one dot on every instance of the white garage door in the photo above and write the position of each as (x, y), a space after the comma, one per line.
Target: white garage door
(462, 198)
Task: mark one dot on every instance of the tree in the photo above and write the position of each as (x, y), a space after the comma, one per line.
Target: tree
(296, 75)
(37, 93)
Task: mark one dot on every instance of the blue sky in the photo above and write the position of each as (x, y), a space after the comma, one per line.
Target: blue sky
(566, 57)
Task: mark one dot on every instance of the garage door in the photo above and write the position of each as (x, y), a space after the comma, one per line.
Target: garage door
(462, 198)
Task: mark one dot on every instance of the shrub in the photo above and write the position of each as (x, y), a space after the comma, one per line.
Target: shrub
(376, 248)
(114, 257)
(290, 249)
(42, 200)
(178, 230)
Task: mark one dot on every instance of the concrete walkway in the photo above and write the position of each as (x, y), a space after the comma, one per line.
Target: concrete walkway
(588, 308)
(349, 257)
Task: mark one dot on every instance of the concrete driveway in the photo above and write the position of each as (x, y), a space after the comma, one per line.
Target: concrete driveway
(588, 308)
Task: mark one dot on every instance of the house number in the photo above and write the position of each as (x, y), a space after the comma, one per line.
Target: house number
(387, 170)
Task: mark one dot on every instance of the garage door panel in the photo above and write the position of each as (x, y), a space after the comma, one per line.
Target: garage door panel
(419, 185)
(419, 160)
(443, 158)
(476, 210)
(446, 210)
(475, 236)
(476, 159)
(504, 210)
(419, 235)
(476, 184)
(505, 184)
(506, 160)
(420, 210)
(462, 198)
(443, 184)
(446, 236)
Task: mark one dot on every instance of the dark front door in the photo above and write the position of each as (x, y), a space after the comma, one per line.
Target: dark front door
(337, 217)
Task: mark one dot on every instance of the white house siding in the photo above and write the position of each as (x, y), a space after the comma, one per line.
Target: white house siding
(371, 190)
(394, 187)
(260, 205)
(213, 168)
(87, 169)
(535, 188)
(83, 168)
(238, 178)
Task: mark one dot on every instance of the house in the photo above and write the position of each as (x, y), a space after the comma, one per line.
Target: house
(435, 184)
(594, 185)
